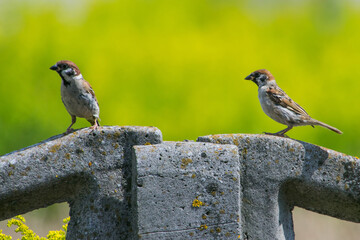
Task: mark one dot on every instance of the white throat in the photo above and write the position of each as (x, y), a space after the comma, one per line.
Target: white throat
(267, 83)
(71, 78)
(78, 77)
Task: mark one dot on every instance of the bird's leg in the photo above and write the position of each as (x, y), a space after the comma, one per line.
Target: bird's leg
(73, 121)
(95, 125)
(280, 133)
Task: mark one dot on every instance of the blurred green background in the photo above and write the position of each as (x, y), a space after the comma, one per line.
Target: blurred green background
(180, 65)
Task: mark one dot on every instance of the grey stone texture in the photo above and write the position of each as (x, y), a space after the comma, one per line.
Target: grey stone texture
(172, 177)
(91, 170)
(280, 173)
(126, 183)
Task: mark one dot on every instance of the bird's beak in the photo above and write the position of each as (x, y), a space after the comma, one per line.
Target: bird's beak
(249, 77)
(54, 67)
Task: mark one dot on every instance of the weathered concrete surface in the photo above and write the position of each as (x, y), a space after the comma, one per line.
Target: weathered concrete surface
(280, 173)
(89, 170)
(174, 175)
(125, 183)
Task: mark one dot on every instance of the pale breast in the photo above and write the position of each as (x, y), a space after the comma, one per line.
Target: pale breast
(79, 103)
(274, 111)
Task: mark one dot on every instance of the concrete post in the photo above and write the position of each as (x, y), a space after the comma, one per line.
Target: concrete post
(280, 173)
(186, 190)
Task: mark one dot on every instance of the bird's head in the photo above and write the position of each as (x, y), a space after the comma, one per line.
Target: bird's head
(260, 77)
(66, 68)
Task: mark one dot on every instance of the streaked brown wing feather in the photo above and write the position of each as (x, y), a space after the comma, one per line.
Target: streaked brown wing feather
(89, 89)
(281, 98)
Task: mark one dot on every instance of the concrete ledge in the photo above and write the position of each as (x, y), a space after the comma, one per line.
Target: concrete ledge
(126, 183)
(89, 170)
(280, 173)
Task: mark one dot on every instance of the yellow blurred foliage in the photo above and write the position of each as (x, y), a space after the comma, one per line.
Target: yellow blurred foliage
(180, 65)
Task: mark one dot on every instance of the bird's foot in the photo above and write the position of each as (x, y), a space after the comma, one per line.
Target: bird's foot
(273, 134)
(69, 130)
(276, 134)
(94, 127)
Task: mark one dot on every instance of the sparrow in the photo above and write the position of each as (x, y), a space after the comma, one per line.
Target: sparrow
(279, 106)
(77, 94)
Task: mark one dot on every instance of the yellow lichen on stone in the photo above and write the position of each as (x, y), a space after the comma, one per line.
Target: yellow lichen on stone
(197, 203)
(54, 148)
(193, 175)
(185, 162)
(236, 141)
(338, 178)
(244, 151)
(67, 155)
(147, 143)
(117, 135)
(203, 227)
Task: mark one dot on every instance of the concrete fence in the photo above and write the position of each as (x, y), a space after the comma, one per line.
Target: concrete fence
(126, 183)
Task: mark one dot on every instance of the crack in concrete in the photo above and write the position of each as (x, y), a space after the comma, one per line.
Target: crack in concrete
(189, 229)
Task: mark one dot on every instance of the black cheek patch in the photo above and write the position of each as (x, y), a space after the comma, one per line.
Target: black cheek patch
(262, 78)
(66, 83)
(70, 73)
(254, 81)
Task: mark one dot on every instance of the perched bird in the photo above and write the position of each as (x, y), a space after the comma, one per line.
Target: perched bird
(279, 106)
(76, 94)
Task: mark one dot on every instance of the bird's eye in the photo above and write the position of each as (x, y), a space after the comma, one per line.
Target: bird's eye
(256, 75)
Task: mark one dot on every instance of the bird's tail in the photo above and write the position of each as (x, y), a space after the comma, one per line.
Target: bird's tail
(316, 122)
